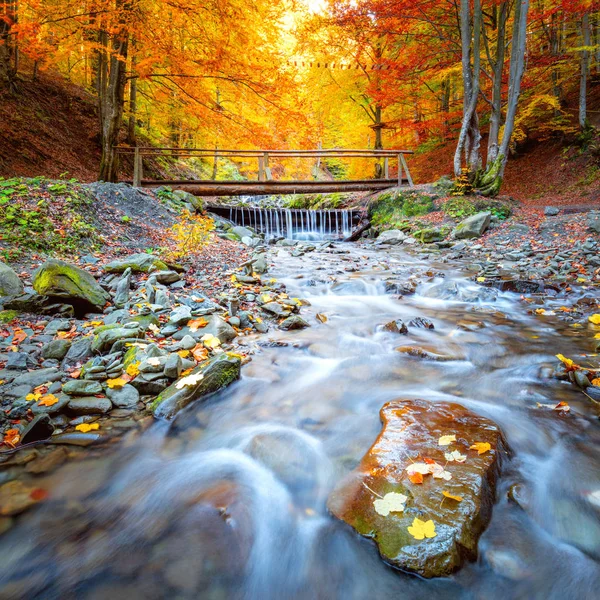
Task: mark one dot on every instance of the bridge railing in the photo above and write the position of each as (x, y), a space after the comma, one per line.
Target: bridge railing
(264, 157)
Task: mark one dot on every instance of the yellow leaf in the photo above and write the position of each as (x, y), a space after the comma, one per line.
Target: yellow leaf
(391, 502)
(133, 370)
(566, 361)
(422, 529)
(183, 353)
(233, 279)
(596, 381)
(211, 341)
(85, 427)
(445, 440)
(597, 336)
(48, 400)
(116, 383)
(457, 498)
(481, 447)
(481, 279)
(31, 397)
(321, 318)
(595, 319)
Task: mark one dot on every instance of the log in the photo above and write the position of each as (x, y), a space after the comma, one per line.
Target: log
(355, 235)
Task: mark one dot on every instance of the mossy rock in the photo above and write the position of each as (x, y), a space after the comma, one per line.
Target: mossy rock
(10, 284)
(144, 320)
(58, 279)
(138, 263)
(217, 373)
(459, 207)
(430, 235)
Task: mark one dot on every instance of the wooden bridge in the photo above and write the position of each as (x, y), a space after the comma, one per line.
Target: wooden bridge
(266, 183)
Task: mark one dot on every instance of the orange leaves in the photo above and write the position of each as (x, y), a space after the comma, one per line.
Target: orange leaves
(19, 336)
(569, 364)
(196, 324)
(48, 400)
(481, 447)
(416, 477)
(12, 437)
(86, 427)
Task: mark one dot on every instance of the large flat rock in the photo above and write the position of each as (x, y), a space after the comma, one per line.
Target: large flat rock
(411, 438)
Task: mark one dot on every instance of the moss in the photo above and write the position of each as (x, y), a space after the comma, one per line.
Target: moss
(144, 320)
(390, 209)
(459, 207)
(6, 316)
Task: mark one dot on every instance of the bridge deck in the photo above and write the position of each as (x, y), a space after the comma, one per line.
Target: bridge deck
(260, 188)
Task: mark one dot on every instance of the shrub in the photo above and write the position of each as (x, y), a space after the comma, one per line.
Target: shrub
(189, 235)
(459, 207)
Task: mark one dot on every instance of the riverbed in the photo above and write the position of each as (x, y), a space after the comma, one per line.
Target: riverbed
(228, 501)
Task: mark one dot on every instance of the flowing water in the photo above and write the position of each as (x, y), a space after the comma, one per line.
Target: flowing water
(228, 501)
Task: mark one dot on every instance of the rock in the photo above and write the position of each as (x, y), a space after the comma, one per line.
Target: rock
(411, 430)
(173, 366)
(472, 227)
(428, 353)
(34, 303)
(167, 277)
(58, 279)
(429, 235)
(90, 405)
(78, 353)
(216, 326)
(38, 377)
(122, 291)
(421, 323)
(180, 316)
(48, 462)
(16, 360)
(10, 284)
(104, 340)
(57, 407)
(57, 325)
(594, 221)
(16, 497)
(40, 428)
(216, 373)
(401, 287)
(260, 264)
(138, 263)
(293, 322)
(81, 387)
(551, 211)
(77, 438)
(393, 236)
(56, 349)
(276, 309)
(125, 397)
(397, 326)
(242, 232)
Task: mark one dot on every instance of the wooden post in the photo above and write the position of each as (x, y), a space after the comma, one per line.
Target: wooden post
(399, 169)
(410, 181)
(261, 168)
(386, 168)
(267, 168)
(137, 168)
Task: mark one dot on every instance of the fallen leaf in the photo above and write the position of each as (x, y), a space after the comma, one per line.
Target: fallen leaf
(75, 374)
(416, 478)
(446, 440)
(596, 381)
(19, 336)
(439, 472)
(562, 407)
(189, 380)
(85, 427)
(321, 318)
(422, 468)
(455, 456)
(118, 382)
(481, 279)
(595, 319)
(196, 324)
(154, 328)
(211, 341)
(391, 502)
(183, 353)
(481, 447)
(48, 400)
(133, 370)
(457, 498)
(567, 362)
(31, 397)
(422, 529)
(38, 494)
(12, 437)
(154, 361)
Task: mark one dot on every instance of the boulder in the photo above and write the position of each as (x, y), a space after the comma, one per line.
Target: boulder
(207, 378)
(293, 322)
(58, 279)
(138, 263)
(243, 232)
(125, 397)
(89, 405)
(411, 436)
(81, 387)
(110, 334)
(216, 326)
(472, 227)
(195, 201)
(10, 284)
(393, 236)
(56, 349)
(551, 211)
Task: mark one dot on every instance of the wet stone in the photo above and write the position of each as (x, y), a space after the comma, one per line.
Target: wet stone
(16, 360)
(56, 349)
(397, 326)
(90, 405)
(82, 387)
(125, 397)
(410, 434)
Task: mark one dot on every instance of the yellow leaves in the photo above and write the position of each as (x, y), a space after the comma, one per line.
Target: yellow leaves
(569, 364)
(481, 447)
(210, 341)
(116, 383)
(85, 427)
(452, 497)
(190, 234)
(196, 324)
(596, 381)
(595, 319)
(422, 529)
(183, 353)
(133, 370)
(321, 318)
(48, 400)
(31, 397)
(446, 440)
(233, 278)
(481, 279)
(189, 380)
(391, 502)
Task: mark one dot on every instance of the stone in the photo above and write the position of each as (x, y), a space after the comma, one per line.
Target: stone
(58, 279)
(411, 430)
(16, 497)
(78, 353)
(594, 221)
(167, 277)
(40, 428)
(104, 340)
(293, 322)
(215, 326)
(76, 438)
(81, 387)
(392, 236)
(47, 462)
(421, 323)
(181, 315)
(38, 377)
(173, 366)
(276, 309)
(397, 326)
(89, 405)
(472, 227)
(16, 360)
(57, 325)
(10, 284)
(138, 263)
(260, 264)
(34, 303)
(57, 407)
(125, 397)
(242, 232)
(216, 373)
(56, 349)
(122, 291)
(551, 211)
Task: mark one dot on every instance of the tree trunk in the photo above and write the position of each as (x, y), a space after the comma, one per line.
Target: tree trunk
(131, 138)
(469, 138)
(8, 17)
(113, 97)
(585, 67)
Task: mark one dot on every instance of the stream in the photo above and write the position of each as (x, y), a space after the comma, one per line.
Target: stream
(228, 500)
